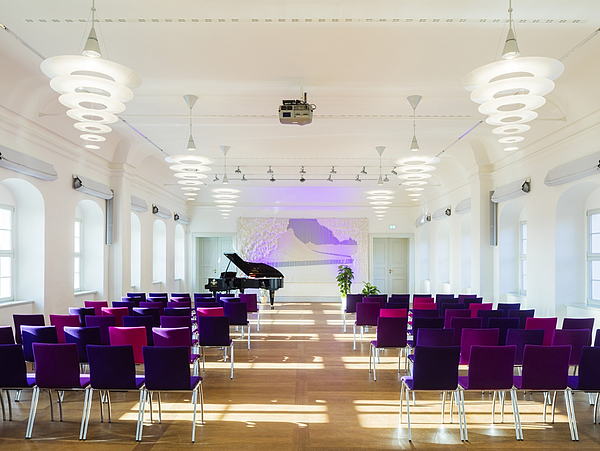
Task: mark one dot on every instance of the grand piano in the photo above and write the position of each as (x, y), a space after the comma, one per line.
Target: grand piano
(259, 275)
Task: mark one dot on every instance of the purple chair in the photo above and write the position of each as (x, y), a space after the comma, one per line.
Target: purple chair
(398, 305)
(60, 321)
(588, 378)
(426, 313)
(382, 299)
(181, 295)
(522, 315)
(462, 297)
(476, 337)
(26, 320)
(351, 301)
(425, 323)
(455, 313)
(507, 307)
(154, 312)
(83, 336)
(96, 305)
(36, 334)
(6, 335)
(138, 296)
(164, 295)
(207, 304)
(433, 337)
(548, 324)
(163, 301)
(136, 301)
(485, 315)
(522, 337)
(435, 369)
(579, 323)
(137, 321)
(177, 311)
(391, 333)
(150, 304)
(238, 316)
(546, 368)
(503, 324)
(175, 336)
(14, 374)
(213, 331)
(103, 323)
(402, 298)
(251, 301)
(202, 295)
(179, 304)
(168, 369)
(366, 315)
(82, 312)
(128, 304)
(597, 338)
(577, 338)
(491, 369)
(56, 368)
(470, 301)
(445, 297)
(444, 306)
(111, 368)
(458, 324)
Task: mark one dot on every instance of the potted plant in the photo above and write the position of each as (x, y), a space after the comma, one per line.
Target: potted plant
(344, 279)
(369, 289)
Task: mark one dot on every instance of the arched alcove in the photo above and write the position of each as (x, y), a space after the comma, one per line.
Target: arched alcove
(29, 240)
(136, 253)
(179, 271)
(92, 246)
(424, 259)
(508, 243)
(159, 254)
(465, 253)
(443, 257)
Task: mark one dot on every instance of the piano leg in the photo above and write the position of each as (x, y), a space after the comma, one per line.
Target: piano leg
(272, 297)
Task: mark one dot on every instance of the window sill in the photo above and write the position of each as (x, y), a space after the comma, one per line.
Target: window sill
(84, 293)
(8, 304)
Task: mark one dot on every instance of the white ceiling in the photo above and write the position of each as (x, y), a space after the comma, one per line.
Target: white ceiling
(357, 61)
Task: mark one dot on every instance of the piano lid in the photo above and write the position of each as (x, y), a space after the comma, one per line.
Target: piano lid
(254, 270)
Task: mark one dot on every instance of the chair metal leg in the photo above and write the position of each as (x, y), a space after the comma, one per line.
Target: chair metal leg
(408, 416)
(88, 411)
(108, 405)
(201, 403)
(370, 353)
(159, 408)
(2, 402)
(51, 406)
(194, 401)
(516, 416)
(202, 352)
(344, 321)
(354, 333)
(595, 407)
(231, 360)
(501, 396)
(101, 398)
(248, 335)
(553, 405)
(9, 405)
(32, 410)
(141, 409)
(571, 414)
(60, 396)
(464, 416)
(18, 396)
(545, 402)
(258, 321)
(443, 406)
(84, 414)
(401, 392)
(493, 406)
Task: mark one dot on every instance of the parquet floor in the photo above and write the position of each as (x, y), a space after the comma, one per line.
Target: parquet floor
(300, 387)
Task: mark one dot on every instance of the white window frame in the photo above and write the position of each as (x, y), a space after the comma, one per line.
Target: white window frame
(10, 253)
(78, 255)
(523, 257)
(591, 257)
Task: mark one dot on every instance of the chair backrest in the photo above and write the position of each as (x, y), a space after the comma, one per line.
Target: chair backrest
(485, 315)
(426, 313)
(213, 331)
(452, 313)
(436, 368)
(391, 332)
(545, 367)
(472, 337)
(589, 369)
(458, 324)
(180, 295)
(103, 323)
(579, 323)
(82, 312)
(507, 306)
(140, 296)
(399, 298)
(420, 296)
(376, 298)
(134, 336)
(548, 324)
(56, 365)
(236, 312)
(202, 295)
(36, 334)
(577, 338)
(6, 335)
(14, 370)
(165, 295)
(128, 304)
(452, 306)
(367, 313)
(83, 336)
(177, 311)
(397, 305)
(179, 304)
(166, 368)
(136, 301)
(445, 297)
(111, 367)
(117, 312)
(503, 324)
(393, 312)
(251, 301)
(463, 297)
(176, 321)
(172, 336)
(474, 308)
(522, 337)
(60, 321)
(597, 338)
(435, 337)
(150, 304)
(522, 315)
(146, 321)
(491, 367)
(26, 320)
(210, 311)
(207, 304)
(470, 301)
(96, 305)
(154, 312)
(417, 305)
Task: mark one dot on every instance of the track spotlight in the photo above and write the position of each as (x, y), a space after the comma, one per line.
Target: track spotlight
(357, 179)
(364, 171)
(333, 171)
(238, 170)
(272, 179)
(270, 171)
(329, 179)
(302, 171)
(216, 179)
(244, 179)
(302, 179)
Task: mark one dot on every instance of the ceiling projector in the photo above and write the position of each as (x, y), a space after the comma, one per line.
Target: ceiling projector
(296, 112)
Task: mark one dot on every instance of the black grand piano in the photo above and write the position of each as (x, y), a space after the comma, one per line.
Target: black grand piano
(259, 276)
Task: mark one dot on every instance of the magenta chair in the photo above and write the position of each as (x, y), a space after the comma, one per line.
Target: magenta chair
(137, 321)
(458, 324)
(546, 369)
(391, 333)
(491, 369)
(455, 313)
(36, 319)
(577, 338)
(56, 368)
(476, 307)
(117, 312)
(175, 336)
(548, 324)
(60, 321)
(251, 301)
(476, 337)
(210, 311)
(393, 313)
(103, 323)
(96, 305)
(366, 315)
(134, 336)
(425, 306)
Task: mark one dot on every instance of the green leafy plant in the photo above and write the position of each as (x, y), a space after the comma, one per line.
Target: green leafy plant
(344, 279)
(369, 289)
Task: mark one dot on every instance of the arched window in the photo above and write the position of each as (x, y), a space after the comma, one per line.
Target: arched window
(443, 257)
(136, 253)
(179, 252)
(159, 255)
(89, 225)
(511, 265)
(465, 253)
(424, 258)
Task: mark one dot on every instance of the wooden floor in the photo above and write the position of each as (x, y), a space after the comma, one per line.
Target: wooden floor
(300, 387)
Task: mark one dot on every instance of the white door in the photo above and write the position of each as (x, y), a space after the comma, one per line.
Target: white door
(211, 261)
(390, 265)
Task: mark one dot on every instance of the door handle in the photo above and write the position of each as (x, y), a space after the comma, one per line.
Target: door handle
(390, 271)
(215, 271)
